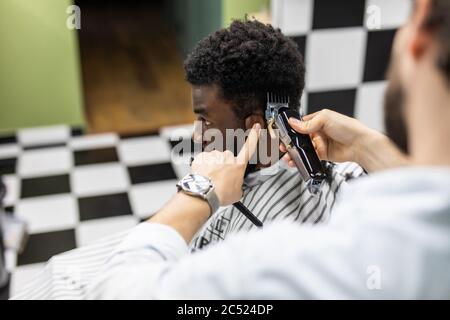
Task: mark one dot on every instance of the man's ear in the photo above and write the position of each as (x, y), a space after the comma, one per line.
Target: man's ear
(422, 37)
(253, 119)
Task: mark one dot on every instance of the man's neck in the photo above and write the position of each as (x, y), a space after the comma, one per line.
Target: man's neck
(429, 120)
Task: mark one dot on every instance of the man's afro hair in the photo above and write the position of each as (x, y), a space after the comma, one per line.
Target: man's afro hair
(246, 60)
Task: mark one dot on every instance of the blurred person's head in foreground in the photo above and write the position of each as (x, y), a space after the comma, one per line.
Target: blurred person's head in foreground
(419, 76)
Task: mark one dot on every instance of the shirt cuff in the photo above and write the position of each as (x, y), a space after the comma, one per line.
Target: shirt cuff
(158, 237)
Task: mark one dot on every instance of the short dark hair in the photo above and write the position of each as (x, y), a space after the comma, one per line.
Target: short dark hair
(245, 61)
(439, 22)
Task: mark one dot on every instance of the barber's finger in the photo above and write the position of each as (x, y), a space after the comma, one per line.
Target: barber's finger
(282, 147)
(314, 144)
(249, 147)
(320, 145)
(287, 158)
(307, 126)
(310, 116)
(291, 164)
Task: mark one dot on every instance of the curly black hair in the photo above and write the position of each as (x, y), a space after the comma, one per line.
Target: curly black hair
(246, 60)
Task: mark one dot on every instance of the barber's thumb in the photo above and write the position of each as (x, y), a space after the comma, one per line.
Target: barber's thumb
(302, 126)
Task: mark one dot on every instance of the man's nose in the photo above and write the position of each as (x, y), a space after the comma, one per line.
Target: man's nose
(197, 132)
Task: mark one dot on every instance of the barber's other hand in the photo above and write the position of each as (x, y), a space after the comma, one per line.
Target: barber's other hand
(225, 170)
(335, 137)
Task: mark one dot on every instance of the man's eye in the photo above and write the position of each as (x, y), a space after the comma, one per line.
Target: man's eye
(205, 122)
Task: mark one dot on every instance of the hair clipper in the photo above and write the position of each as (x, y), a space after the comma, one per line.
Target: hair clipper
(299, 146)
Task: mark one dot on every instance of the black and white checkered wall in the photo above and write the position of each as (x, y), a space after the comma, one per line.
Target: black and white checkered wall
(73, 189)
(346, 57)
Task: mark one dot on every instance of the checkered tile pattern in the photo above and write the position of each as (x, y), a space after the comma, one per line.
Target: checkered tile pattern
(346, 59)
(73, 189)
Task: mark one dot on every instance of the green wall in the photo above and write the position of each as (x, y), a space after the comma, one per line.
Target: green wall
(39, 65)
(236, 9)
(192, 20)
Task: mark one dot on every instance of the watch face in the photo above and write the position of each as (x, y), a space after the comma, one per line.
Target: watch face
(195, 184)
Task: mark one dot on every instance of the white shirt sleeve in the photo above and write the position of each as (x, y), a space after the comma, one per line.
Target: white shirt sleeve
(153, 262)
(381, 245)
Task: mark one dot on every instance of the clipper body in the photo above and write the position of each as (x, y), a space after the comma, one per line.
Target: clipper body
(299, 146)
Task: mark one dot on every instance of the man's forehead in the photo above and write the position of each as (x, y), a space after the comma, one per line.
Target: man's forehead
(204, 97)
(197, 92)
(205, 92)
(208, 100)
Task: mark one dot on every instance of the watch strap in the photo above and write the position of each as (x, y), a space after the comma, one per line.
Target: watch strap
(210, 196)
(213, 200)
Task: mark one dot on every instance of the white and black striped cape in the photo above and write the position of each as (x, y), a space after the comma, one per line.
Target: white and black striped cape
(280, 194)
(269, 194)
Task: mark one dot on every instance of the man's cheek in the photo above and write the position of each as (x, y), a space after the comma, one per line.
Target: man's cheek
(401, 54)
(213, 139)
(235, 139)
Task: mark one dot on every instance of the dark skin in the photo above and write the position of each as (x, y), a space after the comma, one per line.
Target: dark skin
(216, 113)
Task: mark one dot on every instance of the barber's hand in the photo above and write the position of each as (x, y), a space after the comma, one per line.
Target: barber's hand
(225, 170)
(335, 137)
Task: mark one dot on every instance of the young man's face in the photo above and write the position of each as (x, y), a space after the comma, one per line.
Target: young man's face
(216, 115)
(213, 113)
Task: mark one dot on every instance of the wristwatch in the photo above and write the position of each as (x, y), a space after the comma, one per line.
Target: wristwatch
(199, 186)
